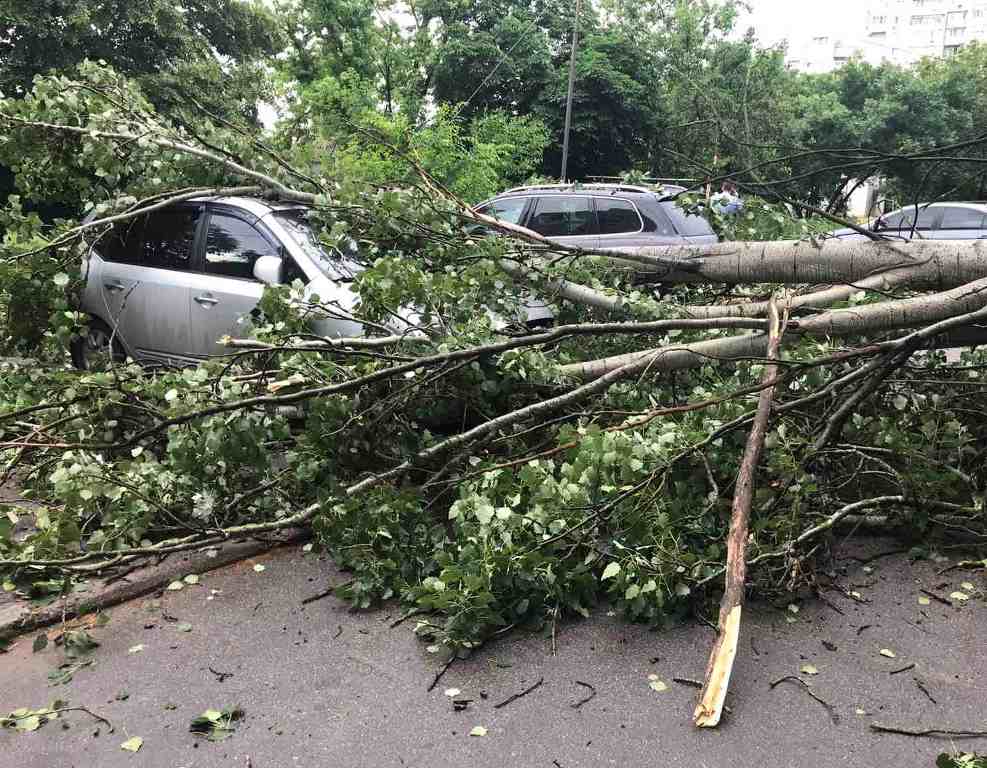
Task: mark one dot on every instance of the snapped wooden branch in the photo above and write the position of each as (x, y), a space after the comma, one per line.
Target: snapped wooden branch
(710, 707)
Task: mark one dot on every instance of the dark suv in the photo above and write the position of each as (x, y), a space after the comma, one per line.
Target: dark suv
(600, 215)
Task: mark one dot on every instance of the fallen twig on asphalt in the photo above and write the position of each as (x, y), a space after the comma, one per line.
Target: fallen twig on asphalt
(221, 677)
(833, 714)
(921, 686)
(311, 599)
(687, 681)
(399, 621)
(936, 597)
(585, 699)
(903, 669)
(517, 696)
(438, 675)
(88, 711)
(931, 732)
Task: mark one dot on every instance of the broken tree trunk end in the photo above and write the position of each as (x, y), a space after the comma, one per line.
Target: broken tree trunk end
(714, 692)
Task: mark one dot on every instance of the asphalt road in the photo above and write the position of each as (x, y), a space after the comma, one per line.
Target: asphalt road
(325, 687)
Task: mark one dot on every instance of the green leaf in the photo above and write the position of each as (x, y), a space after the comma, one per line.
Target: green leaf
(133, 744)
(610, 571)
(40, 643)
(183, 627)
(478, 730)
(632, 591)
(31, 723)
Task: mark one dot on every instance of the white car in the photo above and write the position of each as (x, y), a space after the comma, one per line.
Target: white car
(167, 286)
(931, 221)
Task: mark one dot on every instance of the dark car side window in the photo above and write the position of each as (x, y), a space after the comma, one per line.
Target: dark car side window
(617, 217)
(169, 236)
(122, 244)
(963, 218)
(164, 239)
(232, 247)
(563, 216)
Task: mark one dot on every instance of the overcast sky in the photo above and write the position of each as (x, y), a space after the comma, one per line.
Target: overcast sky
(795, 20)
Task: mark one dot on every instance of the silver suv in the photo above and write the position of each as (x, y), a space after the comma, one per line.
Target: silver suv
(601, 215)
(165, 287)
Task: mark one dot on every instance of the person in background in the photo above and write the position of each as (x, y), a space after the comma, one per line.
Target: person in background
(727, 202)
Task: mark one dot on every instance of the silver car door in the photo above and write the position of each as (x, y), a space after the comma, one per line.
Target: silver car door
(115, 274)
(225, 291)
(155, 319)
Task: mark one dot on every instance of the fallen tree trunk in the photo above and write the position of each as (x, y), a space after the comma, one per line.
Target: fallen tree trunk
(714, 691)
(930, 264)
(869, 318)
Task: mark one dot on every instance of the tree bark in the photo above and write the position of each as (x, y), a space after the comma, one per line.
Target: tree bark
(932, 264)
(868, 318)
(710, 707)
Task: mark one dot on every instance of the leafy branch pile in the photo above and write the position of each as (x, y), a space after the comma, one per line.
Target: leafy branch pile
(487, 475)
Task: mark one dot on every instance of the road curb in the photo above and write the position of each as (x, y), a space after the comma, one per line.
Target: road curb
(19, 618)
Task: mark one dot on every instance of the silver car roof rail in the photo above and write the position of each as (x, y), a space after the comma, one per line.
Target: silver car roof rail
(590, 186)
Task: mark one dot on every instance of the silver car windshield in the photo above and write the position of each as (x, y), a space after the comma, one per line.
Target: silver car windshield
(332, 262)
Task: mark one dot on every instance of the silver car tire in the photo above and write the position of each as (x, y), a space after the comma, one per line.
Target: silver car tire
(97, 349)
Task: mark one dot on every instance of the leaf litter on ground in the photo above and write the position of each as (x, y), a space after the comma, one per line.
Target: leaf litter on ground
(216, 724)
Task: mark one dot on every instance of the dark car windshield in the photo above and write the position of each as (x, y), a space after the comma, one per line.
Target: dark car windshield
(687, 224)
(332, 262)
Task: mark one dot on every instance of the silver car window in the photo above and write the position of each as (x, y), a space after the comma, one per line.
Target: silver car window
(169, 236)
(906, 218)
(232, 247)
(956, 217)
(617, 217)
(563, 216)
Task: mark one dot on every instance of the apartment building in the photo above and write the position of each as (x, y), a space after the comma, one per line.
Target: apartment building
(897, 31)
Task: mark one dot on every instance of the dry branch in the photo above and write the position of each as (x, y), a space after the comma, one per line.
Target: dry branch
(713, 695)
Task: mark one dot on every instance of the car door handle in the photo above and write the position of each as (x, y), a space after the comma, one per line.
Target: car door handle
(116, 285)
(206, 301)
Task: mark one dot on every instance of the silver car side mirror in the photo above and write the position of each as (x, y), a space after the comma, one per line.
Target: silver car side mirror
(268, 270)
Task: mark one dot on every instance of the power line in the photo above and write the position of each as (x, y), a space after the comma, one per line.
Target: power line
(503, 58)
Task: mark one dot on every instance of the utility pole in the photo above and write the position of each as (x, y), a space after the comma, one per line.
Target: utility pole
(568, 100)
